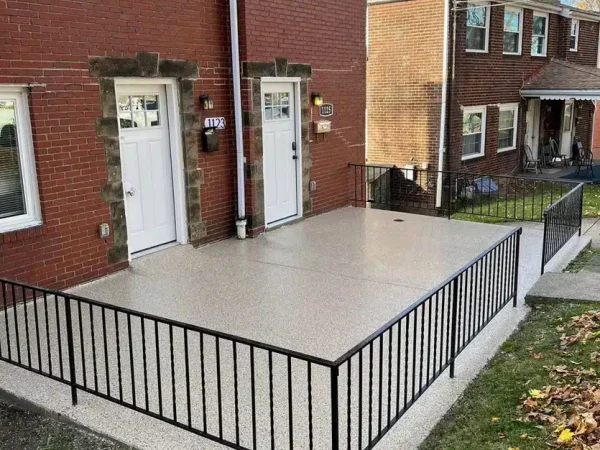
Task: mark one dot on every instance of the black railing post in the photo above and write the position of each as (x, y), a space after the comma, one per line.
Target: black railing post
(449, 193)
(71, 349)
(545, 241)
(581, 210)
(454, 325)
(335, 418)
(516, 281)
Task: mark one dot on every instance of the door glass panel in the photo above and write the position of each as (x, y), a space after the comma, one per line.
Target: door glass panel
(138, 111)
(11, 187)
(277, 105)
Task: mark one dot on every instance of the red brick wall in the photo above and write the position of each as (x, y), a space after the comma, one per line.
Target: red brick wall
(48, 44)
(587, 48)
(490, 79)
(331, 37)
(404, 82)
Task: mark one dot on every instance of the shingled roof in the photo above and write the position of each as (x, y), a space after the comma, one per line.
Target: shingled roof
(565, 77)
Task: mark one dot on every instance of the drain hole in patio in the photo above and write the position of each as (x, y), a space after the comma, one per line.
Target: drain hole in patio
(398, 220)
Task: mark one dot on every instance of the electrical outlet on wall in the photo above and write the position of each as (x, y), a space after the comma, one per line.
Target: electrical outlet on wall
(312, 186)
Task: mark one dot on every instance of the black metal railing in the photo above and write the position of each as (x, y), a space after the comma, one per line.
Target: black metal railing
(235, 391)
(247, 394)
(507, 198)
(562, 220)
(385, 375)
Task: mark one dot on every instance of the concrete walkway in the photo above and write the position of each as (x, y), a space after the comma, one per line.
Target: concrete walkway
(318, 287)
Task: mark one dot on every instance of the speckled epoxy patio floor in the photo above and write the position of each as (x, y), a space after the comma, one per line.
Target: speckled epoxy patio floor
(318, 287)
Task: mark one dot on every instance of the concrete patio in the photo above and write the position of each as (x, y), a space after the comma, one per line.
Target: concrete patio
(317, 287)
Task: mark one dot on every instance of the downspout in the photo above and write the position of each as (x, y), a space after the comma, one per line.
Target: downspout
(239, 130)
(444, 106)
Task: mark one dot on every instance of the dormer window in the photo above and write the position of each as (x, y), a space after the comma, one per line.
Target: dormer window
(574, 39)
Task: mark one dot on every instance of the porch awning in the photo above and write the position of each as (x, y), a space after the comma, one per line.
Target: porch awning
(562, 80)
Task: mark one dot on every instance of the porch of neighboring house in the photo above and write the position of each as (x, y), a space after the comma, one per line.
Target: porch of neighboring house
(318, 288)
(560, 113)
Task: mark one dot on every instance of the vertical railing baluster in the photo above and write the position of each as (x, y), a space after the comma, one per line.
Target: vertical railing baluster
(360, 398)
(310, 408)
(82, 345)
(253, 389)
(145, 361)
(454, 326)
(5, 306)
(335, 422)
(290, 402)
(105, 339)
(47, 320)
(158, 369)
(187, 379)
(28, 346)
(370, 392)
(131, 366)
(173, 387)
(349, 405)
(37, 330)
(380, 390)
(219, 394)
(203, 376)
(71, 349)
(94, 362)
(120, 377)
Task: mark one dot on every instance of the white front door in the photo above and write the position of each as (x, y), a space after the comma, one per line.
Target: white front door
(566, 140)
(280, 153)
(146, 164)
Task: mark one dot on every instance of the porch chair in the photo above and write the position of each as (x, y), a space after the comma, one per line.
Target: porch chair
(585, 159)
(556, 155)
(529, 163)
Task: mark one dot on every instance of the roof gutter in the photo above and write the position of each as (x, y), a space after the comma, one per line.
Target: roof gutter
(239, 131)
(562, 94)
(444, 105)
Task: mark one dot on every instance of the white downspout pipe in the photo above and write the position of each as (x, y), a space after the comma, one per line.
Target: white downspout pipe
(239, 131)
(443, 112)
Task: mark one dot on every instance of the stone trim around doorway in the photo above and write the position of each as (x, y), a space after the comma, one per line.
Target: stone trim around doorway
(254, 72)
(146, 65)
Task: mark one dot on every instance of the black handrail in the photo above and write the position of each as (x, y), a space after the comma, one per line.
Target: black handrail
(562, 220)
(230, 389)
(506, 197)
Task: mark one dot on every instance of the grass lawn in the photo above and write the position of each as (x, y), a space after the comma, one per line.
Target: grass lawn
(488, 415)
(501, 209)
(582, 260)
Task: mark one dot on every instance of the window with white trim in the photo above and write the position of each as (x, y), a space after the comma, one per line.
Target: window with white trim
(539, 34)
(19, 198)
(507, 127)
(574, 38)
(478, 27)
(513, 34)
(473, 132)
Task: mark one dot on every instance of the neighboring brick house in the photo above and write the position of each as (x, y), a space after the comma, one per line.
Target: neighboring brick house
(101, 122)
(501, 93)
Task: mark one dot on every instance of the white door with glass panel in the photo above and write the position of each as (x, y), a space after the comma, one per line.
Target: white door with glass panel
(146, 164)
(566, 141)
(280, 153)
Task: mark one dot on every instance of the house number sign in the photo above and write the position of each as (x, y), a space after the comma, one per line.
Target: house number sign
(215, 122)
(326, 110)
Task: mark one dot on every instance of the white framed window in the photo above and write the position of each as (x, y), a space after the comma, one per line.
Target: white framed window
(473, 132)
(539, 34)
(508, 126)
(574, 38)
(513, 30)
(478, 27)
(19, 197)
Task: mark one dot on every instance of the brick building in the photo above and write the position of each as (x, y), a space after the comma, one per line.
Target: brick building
(103, 109)
(518, 75)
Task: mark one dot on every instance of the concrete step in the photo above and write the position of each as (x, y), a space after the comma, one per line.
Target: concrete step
(582, 286)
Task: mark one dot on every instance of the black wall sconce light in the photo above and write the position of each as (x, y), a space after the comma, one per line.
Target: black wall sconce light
(206, 101)
(317, 99)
